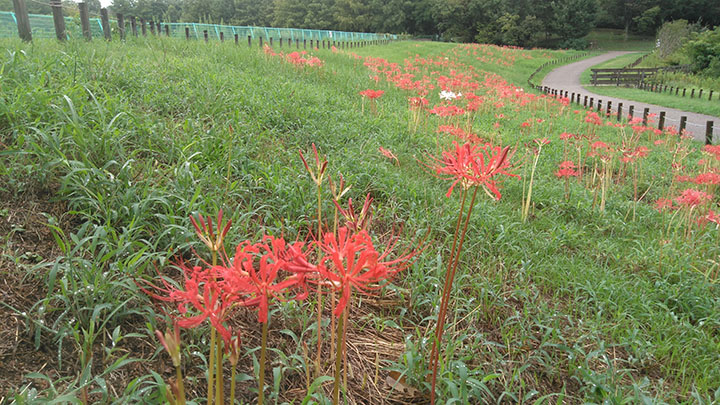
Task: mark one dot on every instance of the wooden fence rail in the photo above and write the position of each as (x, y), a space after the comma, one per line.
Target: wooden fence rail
(625, 76)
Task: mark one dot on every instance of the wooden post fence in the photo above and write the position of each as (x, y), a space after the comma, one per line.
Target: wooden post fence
(85, 20)
(661, 121)
(23, 20)
(105, 21)
(709, 133)
(58, 20)
(133, 26)
(121, 26)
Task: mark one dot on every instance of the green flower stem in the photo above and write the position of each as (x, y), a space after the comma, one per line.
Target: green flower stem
(261, 376)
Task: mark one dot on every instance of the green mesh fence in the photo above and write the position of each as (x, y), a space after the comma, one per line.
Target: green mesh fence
(42, 27)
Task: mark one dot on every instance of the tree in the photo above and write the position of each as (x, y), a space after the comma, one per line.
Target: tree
(572, 18)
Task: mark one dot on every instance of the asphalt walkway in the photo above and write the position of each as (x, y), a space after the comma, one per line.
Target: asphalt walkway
(567, 78)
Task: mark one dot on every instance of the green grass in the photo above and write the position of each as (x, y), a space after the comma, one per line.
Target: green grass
(704, 106)
(130, 139)
(605, 39)
(663, 99)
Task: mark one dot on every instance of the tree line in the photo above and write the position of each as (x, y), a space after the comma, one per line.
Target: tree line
(509, 22)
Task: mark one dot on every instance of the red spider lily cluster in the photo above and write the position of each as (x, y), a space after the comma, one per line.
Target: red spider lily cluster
(372, 94)
(299, 59)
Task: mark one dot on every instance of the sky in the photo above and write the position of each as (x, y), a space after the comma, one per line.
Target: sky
(106, 3)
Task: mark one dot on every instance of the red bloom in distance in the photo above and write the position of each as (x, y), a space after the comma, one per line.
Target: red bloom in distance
(372, 94)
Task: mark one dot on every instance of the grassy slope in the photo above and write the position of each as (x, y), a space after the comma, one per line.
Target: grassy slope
(704, 106)
(572, 303)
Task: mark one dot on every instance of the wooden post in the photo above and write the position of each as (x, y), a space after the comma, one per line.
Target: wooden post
(59, 20)
(143, 27)
(304, 43)
(609, 107)
(631, 112)
(692, 93)
(222, 36)
(167, 30)
(105, 21)
(152, 27)
(709, 133)
(677, 89)
(133, 26)
(710, 95)
(159, 28)
(619, 112)
(260, 42)
(683, 124)
(249, 40)
(661, 121)
(585, 102)
(187, 33)
(280, 42)
(237, 39)
(205, 35)
(271, 41)
(23, 20)
(592, 103)
(297, 43)
(121, 26)
(700, 94)
(599, 105)
(85, 20)
(684, 92)
(646, 112)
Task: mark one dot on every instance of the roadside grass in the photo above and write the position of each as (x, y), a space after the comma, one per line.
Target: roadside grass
(704, 106)
(606, 39)
(132, 138)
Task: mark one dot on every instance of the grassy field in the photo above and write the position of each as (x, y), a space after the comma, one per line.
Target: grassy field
(606, 39)
(704, 106)
(109, 148)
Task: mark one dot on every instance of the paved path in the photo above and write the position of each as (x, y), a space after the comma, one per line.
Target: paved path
(567, 78)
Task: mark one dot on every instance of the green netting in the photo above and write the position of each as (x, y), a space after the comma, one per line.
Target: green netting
(42, 27)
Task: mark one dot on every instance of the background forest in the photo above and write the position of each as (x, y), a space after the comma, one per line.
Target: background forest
(508, 22)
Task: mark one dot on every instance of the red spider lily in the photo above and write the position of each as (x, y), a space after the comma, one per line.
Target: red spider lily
(447, 111)
(566, 169)
(171, 343)
(320, 167)
(352, 263)
(630, 156)
(710, 217)
(692, 198)
(210, 236)
(418, 102)
(566, 136)
(712, 150)
(541, 142)
(664, 204)
(707, 178)
(388, 154)
(372, 94)
(360, 221)
(471, 165)
(258, 267)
